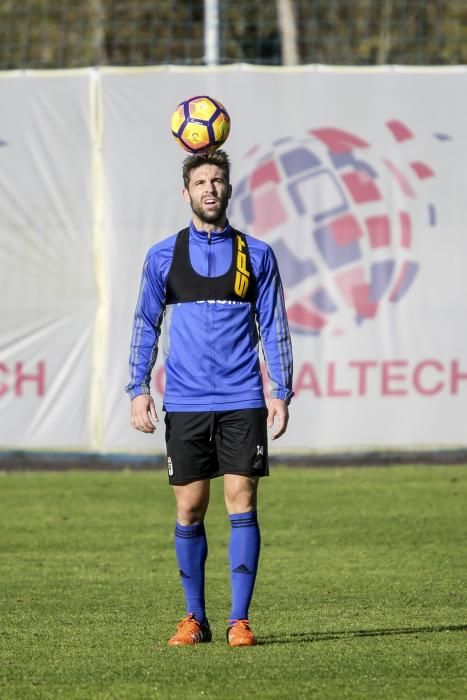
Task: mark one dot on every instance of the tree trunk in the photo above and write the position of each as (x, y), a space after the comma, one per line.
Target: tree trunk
(98, 32)
(288, 32)
(385, 32)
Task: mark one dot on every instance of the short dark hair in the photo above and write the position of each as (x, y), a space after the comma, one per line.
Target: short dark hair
(219, 158)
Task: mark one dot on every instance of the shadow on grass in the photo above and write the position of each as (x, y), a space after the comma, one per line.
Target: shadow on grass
(295, 637)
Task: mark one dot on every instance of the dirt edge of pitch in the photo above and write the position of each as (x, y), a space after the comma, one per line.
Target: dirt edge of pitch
(55, 461)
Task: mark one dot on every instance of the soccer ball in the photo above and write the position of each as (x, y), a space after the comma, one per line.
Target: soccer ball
(200, 124)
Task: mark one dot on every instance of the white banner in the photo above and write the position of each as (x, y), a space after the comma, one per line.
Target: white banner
(47, 268)
(353, 176)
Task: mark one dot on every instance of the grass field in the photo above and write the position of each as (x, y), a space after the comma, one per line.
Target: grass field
(361, 593)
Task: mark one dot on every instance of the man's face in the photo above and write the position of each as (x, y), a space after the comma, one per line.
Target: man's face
(208, 193)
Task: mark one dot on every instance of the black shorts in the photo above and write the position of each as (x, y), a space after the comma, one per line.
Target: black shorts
(204, 445)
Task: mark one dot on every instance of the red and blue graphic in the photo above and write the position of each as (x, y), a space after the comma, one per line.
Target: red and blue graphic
(340, 220)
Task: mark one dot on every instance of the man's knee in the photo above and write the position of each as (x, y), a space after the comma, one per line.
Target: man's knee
(192, 502)
(240, 493)
(190, 514)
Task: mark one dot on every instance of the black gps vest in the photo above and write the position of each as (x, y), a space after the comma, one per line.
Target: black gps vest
(185, 284)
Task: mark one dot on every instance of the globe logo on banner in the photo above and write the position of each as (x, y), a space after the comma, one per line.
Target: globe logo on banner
(340, 219)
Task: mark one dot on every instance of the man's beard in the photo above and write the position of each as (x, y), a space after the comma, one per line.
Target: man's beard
(210, 217)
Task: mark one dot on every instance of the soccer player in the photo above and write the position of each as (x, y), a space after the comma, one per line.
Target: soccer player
(213, 292)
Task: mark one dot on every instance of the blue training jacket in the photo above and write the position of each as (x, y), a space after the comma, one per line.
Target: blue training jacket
(210, 348)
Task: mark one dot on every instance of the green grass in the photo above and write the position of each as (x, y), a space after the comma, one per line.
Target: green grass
(361, 591)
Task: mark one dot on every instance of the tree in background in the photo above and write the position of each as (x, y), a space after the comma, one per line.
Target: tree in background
(67, 34)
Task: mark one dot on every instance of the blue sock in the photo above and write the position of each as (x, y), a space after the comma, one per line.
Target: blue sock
(191, 548)
(244, 546)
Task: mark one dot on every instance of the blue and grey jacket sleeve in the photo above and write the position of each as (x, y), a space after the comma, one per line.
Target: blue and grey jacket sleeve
(146, 328)
(273, 328)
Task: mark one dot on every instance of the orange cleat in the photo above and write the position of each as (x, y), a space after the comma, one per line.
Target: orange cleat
(190, 631)
(239, 634)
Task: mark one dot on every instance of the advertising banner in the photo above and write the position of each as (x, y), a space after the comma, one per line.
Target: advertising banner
(355, 179)
(353, 176)
(48, 295)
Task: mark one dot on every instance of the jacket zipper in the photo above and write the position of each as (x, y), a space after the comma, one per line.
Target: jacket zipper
(210, 320)
(209, 253)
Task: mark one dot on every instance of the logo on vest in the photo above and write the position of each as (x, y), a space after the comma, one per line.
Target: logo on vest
(242, 275)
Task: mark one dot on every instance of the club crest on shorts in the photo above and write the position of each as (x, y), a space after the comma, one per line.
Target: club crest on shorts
(170, 468)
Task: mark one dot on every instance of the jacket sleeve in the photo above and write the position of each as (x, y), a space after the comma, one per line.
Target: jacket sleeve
(273, 328)
(146, 327)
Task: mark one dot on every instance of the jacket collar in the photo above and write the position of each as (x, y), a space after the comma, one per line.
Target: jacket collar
(216, 236)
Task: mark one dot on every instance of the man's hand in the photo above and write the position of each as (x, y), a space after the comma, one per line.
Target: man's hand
(278, 408)
(143, 413)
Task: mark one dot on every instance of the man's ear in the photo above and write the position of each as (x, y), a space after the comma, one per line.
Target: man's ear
(229, 192)
(186, 194)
